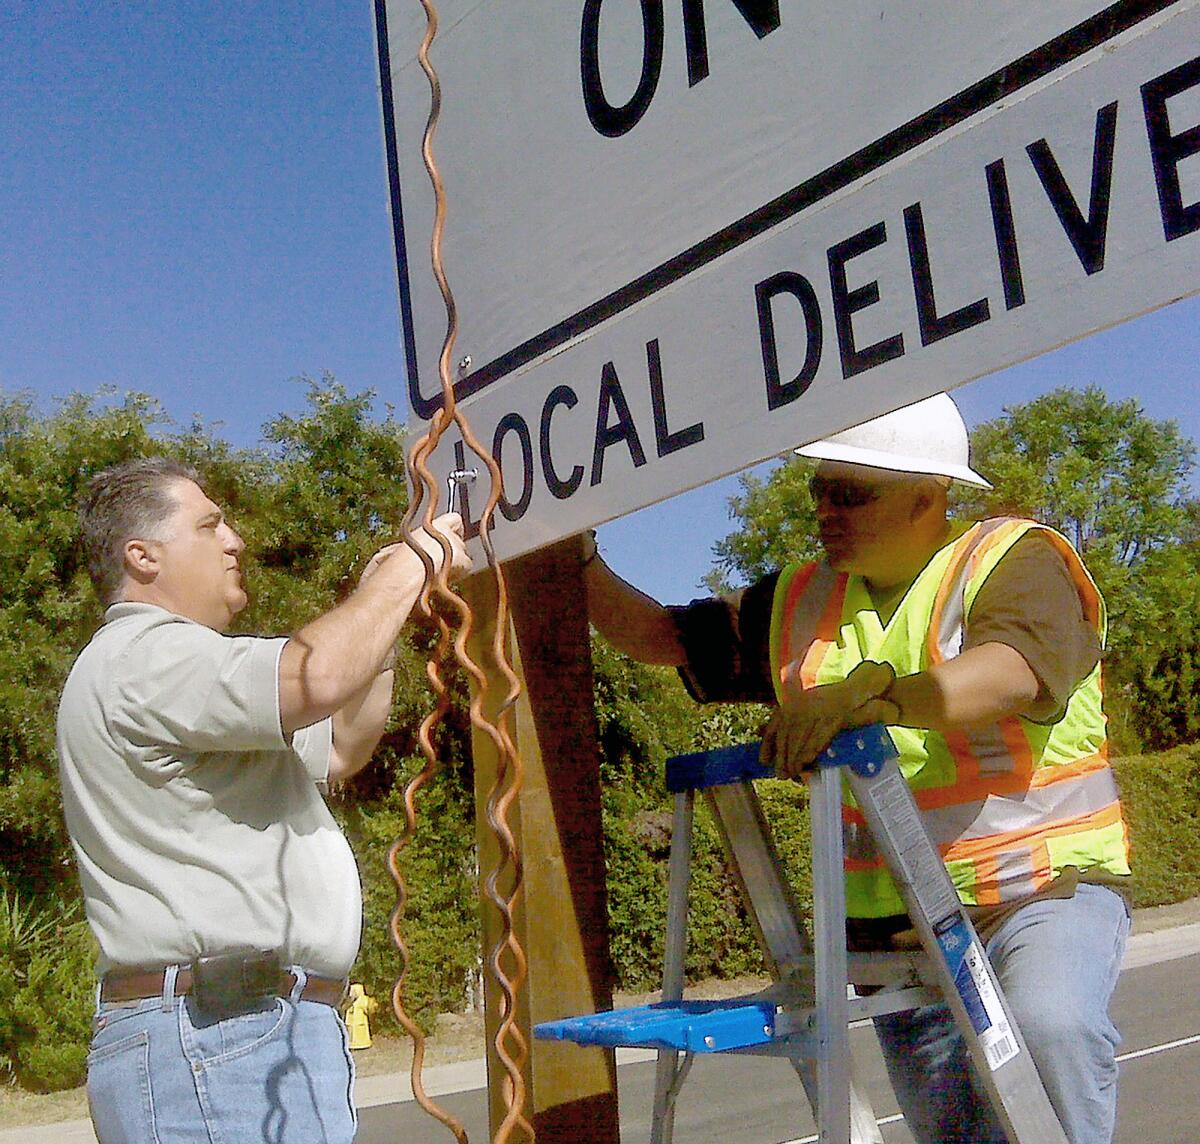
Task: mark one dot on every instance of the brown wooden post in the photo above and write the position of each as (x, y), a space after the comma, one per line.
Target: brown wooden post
(561, 918)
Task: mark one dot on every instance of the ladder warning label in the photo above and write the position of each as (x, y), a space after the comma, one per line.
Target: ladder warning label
(920, 865)
(968, 964)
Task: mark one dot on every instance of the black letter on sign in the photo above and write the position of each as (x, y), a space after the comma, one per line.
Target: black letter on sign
(780, 393)
(667, 441)
(761, 15)
(515, 423)
(560, 395)
(611, 393)
(933, 326)
(1006, 235)
(470, 527)
(609, 120)
(1087, 235)
(847, 302)
(1168, 150)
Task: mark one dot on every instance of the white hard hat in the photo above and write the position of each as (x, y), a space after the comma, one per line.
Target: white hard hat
(926, 437)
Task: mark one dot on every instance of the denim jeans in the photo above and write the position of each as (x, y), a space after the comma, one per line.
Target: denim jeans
(158, 1072)
(1057, 961)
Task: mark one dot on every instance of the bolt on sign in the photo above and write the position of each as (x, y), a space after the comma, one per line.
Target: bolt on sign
(687, 235)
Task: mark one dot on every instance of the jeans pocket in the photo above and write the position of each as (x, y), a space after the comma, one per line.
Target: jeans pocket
(218, 1042)
(119, 1093)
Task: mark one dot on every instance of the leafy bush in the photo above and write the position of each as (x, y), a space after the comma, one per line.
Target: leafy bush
(637, 816)
(46, 993)
(440, 921)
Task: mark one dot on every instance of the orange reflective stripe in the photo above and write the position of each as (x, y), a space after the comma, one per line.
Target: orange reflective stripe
(1043, 872)
(966, 765)
(982, 851)
(971, 548)
(1018, 746)
(993, 888)
(1044, 776)
(827, 630)
(1004, 785)
(1084, 584)
(796, 585)
(987, 880)
(950, 582)
(970, 775)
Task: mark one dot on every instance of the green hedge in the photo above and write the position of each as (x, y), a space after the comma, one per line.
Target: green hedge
(1161, 795)
(440, 921)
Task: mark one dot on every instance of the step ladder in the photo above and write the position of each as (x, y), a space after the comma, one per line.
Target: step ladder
(805, 1015)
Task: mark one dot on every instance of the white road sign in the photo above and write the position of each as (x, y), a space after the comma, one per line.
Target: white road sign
(686, 235)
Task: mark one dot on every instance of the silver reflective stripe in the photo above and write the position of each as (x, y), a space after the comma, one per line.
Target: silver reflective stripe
(991, 751)
(953, 617)
(1035, 808)
(1015, 876)
(806, 615)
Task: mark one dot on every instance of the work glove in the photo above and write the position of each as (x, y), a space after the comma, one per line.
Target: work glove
(808, 718)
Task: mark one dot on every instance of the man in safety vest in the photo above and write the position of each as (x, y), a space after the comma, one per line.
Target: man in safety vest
(979, 645)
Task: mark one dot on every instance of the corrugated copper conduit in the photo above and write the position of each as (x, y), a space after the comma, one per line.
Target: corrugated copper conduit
(506, 960)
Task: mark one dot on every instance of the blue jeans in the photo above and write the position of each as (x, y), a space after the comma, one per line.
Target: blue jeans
(1057, 961)
(157, 1072)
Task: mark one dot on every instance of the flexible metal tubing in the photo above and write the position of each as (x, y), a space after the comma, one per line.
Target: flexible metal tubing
(509, 1043)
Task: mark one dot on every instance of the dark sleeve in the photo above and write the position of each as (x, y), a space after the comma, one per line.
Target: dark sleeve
(727, 640)
(1030, 603)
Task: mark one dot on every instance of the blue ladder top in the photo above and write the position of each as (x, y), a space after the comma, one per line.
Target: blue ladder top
(865, 749)
(685, 1026)
(713, 1026)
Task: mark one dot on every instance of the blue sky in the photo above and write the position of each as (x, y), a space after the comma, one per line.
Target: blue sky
(193, 205)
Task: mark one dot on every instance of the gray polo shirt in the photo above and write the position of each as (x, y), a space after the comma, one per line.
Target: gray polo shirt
(197, 827)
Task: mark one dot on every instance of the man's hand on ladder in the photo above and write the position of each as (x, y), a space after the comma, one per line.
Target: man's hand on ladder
(809, 717)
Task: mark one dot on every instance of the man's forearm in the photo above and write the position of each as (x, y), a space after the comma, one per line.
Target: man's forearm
(337, 655)
(984, 684)
(629, 619)
(359, 725)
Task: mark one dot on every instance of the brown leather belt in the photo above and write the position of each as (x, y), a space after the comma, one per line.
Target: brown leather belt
(135, 984)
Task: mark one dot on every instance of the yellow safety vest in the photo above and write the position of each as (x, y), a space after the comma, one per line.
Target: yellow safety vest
(1010, 805)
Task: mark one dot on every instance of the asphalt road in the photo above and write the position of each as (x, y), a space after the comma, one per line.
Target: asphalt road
(752, 1100)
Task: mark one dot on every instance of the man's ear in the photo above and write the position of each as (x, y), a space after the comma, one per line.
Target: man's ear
(141, 561)
(930, 495)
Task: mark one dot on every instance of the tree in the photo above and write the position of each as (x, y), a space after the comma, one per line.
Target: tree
(778, 524)
(47, 609)
(1110, 478)
(1115, 482)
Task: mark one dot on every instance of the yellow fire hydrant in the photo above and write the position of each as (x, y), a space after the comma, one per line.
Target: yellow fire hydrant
(358, 1009)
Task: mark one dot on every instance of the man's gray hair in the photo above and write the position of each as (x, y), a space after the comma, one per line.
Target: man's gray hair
(130, 501)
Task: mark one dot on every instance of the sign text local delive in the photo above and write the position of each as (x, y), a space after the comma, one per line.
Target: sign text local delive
(687, 236)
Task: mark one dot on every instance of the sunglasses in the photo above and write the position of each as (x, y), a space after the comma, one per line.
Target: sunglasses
(842, 493)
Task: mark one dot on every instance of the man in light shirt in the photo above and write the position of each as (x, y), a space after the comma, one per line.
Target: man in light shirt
(223, 896)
